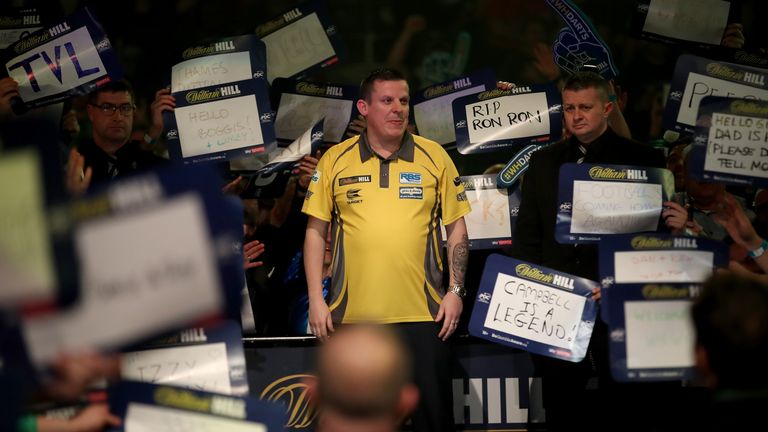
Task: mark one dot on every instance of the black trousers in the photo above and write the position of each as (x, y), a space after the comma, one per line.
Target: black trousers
(432, 363)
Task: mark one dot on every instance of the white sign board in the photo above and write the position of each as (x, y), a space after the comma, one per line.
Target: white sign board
(199, 367)
(659, 334)
(535, 311)
(211, 70)
(218, 126)
(142, 273)
(615, 207)
(666, 266)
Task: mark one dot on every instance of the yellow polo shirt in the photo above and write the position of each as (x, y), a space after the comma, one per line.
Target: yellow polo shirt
(385, 216)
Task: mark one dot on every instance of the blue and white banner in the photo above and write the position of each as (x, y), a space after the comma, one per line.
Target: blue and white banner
(534, 308)
(597, 201)
(301, 104)
(202, 358)
(498, 120)
(220, 122)
(491, 223)
(695, 78)
(146, 407)
(165, 246)
(71, 57)
(300, 40)
(223, 61)
(731, 142)
(579, 43)
(432, 107)
(648, 282)
(285, 158)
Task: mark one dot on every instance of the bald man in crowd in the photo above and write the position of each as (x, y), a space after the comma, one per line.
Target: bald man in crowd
(363, 382)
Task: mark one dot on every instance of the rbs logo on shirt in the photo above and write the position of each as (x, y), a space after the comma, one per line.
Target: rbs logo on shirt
(410, 178)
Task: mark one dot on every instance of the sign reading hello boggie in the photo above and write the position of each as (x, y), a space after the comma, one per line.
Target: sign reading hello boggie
(220, 122)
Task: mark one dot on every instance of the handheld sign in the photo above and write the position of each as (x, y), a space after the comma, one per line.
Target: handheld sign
(146, 407)
(208, 359)
(220, 122)
(433, 106)
(35, 255)
(301, 104)
(300, 40)
(499, 119)
(695, 78)
(641, 259)
(16, 24)
(731, 145)
(579, 43)
(491, 223)
(306, 144)
(692, 21)
(648, 281)
(71, 57)
(596, 201)
(224, 61)
(534, 308)
(164, 246)
(696, 25)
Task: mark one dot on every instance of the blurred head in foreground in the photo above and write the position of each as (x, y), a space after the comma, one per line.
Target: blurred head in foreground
(363, 381)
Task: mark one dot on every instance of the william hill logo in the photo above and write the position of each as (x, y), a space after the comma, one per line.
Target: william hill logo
(606, 173)
(529, 272)
(665, 292)
(646, 242)
(291, 391)
(202, 95)
(743, 107)
(533, 273)
(722, 71)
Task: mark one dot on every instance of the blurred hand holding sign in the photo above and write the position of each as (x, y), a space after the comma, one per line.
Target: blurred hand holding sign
(579, 43)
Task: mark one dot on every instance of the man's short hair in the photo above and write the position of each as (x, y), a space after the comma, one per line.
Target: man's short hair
(114, 86)
(353, 383)
(381, 74)
(586, 80)
(731, 321)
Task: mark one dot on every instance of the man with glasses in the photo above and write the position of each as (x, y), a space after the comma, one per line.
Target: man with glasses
(111, 153)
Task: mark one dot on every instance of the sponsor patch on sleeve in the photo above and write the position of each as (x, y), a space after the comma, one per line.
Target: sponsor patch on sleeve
(316, 176)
